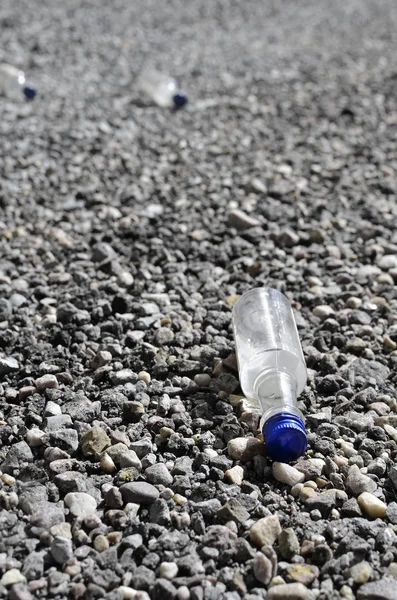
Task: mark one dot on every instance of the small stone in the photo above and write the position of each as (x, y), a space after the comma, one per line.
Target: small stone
(305, 574)
(8, 365)
(26, 391)
(164, 336)
(263, 568)
(357, 482)
(183, 593)
(382, 589)
(287, 474)
(107, 464)
(235, 475)
(63, 530)
(139, 492)
(11, 577)
(127, 593)
(288, 238)
(80, 504)
(124, 456)
(289, 591)
(233, 510)
(94, 441)
(34, 437)
(159, 474)
(101, 543)
(288, 543)
(389, 261)
(61, 549)
(203, 380)
(168, 570)
(133, 411)
(361, 572)
(322, 312)
(46, 382)
(101, 359)
(245, 449)
(311, 467)
(371, 505)
(241, 221)
(265, 531)
(144, 376)
(306, 493)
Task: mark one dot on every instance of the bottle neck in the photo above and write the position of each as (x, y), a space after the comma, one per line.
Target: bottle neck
(276, 391)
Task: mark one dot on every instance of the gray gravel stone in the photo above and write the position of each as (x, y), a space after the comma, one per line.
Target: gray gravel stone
(159, 474)
(139, 492)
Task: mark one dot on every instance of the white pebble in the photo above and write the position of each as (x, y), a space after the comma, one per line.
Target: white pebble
(144, 376)
(11, 577)
(128, 593)
(287, 474)
(235, 475)
(168, 570)
(34, 437)
(371, 505)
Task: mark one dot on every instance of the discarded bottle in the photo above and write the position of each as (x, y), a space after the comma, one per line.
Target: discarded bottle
(272, 368)
(13, 83)
(161, 89)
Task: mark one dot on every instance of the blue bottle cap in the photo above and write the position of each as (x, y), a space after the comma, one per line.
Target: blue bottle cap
(29, 91)
(180, 99)
(285, 437)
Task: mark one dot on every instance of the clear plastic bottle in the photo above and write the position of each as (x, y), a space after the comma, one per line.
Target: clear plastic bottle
(162, 89)
(272, 368)
(13, 83)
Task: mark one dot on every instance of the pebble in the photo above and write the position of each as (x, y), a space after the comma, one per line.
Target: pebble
(107, 464)
(361, 572)
(305, 574)
(139, 492)
(241, 221)
(101, 359)
(289, 591)
(168, 570)
(183, 593)
(94, 441)
(288, 543)
(383, 589)
(287, 474)
(235, 475)
(80, 504)
(265, 531)
(371, 505)
(145, 377)
(101, 543)
(263, 568)
(12, 577)
(61, 549)
(245, 449)
(8, 365)
(159, 474)
(357, 482)
(322, 312)
(34, 437)
(46, 382)
(203, 380)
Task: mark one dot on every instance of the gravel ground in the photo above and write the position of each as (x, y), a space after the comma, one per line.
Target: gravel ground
(131, 465)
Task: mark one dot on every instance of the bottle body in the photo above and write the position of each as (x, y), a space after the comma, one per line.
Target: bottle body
(13, 83)
(162, 89)
(271, 364)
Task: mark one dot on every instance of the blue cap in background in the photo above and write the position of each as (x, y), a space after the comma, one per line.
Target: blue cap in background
(180, 99)
(29, 91)
(285, 437)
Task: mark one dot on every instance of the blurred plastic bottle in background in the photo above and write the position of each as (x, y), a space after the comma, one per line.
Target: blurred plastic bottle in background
(13, 83)
(272, 368)
(162, 89)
